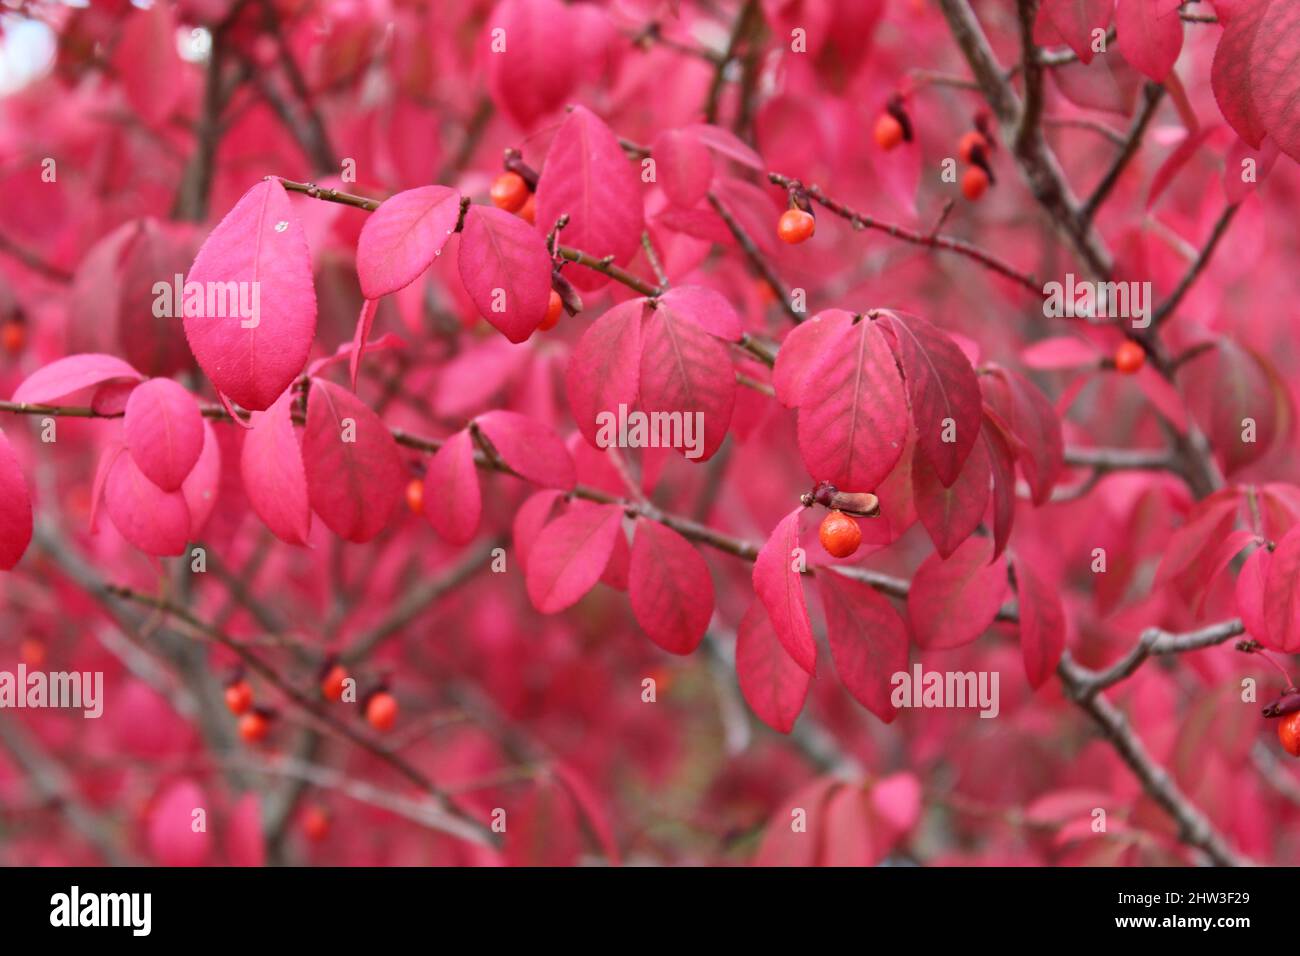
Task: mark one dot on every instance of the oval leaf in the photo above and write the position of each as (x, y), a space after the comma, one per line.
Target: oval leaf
(868, 640)
(15, 508)
(952, 602)
(453, 501)
(403, 237)
(570, 554)
(670, 588)
(780, 587)
(529, 447)
(270, 464)
(506, 271)
(164, 431)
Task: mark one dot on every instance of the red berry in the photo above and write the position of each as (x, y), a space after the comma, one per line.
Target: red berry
(239, 697)
(13, 336)
(254, 726)
(331, 685)
(973, 183)
(528, 211)
(415, 496)
(32, 652)
(315, 823)
(795, 226)
(840, 535)
(381, 710)
(1288, 731)
(966, 145)
(553, 309)
(510, 192)
(1129, 357)
(889, 131)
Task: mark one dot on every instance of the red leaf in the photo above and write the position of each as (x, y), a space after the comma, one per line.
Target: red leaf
(952, 602)
(1042, 624)
(453, 501)
(1282, 596)
(15, 508)
(155, 521)
(164, 431)
(1251, 583)
(403, 236)
(1150, 35)
(853, 412)
(1003, 468)
(592, 808)
(951, 515)
(670, 588)
(67, 376)
(783, 844)
(261, 247)
(773, 685)
(1231, 74)
(687, 371)
(570, 554)
(1032, 422)
(531, 448)
(802, 349)
(506, 270)
(1062, 352)
(354, 471)
(1075, 20)
(706, 308)
(153, 343)
(587, 176)
(203, 482)
(1228, 387)
(1190, 546)
(545, 832)
(605, 367)
(533, 515)
(725, 143)
(780, 588)
(683, 167)
(536, 71)
(148, 63)
(847, 838)
(270, 464)
(360, 338)
(1275, 74)
(868, 640)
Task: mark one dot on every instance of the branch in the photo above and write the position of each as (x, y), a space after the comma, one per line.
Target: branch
(1197, 267)
(755, 257)
(1151, 96)
(1155, 642)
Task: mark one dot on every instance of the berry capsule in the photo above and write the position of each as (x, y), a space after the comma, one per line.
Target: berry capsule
(331, 685)
(239, 697)
(510, 192)
(839, 534)
(315, 823)
(254, 726)
(1129, 357)
(381, 710)
(967, 144)
(528, 211)
(415, 496)
(553, 309)
(974, 182)
(1288, 732)
(888, 131)
(795, 226)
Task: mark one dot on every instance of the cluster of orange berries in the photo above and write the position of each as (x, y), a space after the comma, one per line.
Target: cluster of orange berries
(255, 722)
(974, 148)
(512, 193)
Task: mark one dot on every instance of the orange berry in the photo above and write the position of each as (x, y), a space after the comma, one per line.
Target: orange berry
(32, 652)
(315, 823)
(13, 336)
(795, 226)
(1129, 357)
(331, 685)
(966, 145)
(973, 183)
(239, 697)
(553, 309)
(839, 534)
(1288, 731)
(381, 710)
(528, 211)
(510, 192)
(253, 726)
(415, 496)
(889, 131)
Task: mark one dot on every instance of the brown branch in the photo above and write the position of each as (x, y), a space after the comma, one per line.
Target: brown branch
(756, 258)
(1151, 96)
(1194, 271)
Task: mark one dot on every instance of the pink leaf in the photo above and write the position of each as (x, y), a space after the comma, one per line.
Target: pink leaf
(259, 246)
(1033, 425)
(1251, 583)
(533, 73)
(1275, 74)
(685, 371)
(453, 500)
(706, 308)
(245, 844)
(945, 394)
(1150, 35)
(896, 802)
(587, 176)
(592, 808)
(354, 471)
(683, 167)
(1062, 352)
(164, 431)
(725, 143)
(952, 602)
(951, 515)
(203, 483)
(802, 349)
(1282, 596)
(780, 587)
(15, 508)
(148, 63)
(403, 236)
(1075, 21)
(670, 588)
(1002, 465)
(359, 339)
(868, 640)
(847, 839)
(506, 270)
(570, 554)
(529, 447)
(1231, 74)
(782, 844)
(604, 369)
(1042, 624)
(770, 680)
(173, 841)
(533, 515)
(67, 376)
(155, 521)
(853, 411)
(270, 465)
